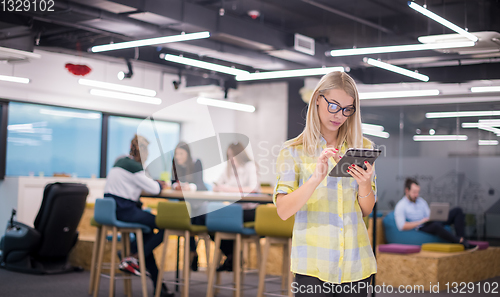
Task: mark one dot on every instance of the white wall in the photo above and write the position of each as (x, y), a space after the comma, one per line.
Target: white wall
(52, 84)
(267, 126)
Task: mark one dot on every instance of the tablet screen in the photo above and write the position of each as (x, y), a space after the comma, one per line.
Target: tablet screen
(354, 156)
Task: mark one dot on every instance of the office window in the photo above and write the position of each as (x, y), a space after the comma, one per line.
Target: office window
(44, 140)
(121, 130)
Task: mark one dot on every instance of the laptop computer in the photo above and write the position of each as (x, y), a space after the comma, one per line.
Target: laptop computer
(439, 211)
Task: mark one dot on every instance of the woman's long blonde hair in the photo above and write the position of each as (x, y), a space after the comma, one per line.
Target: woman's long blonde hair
(349, 132)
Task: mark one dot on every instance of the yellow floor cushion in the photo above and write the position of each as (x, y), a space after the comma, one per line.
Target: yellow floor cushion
(443, 247)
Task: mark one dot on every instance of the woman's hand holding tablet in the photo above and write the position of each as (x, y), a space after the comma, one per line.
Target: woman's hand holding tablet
(356, 157)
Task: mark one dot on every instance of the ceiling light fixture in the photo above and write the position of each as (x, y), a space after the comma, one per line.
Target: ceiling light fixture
(442, 21)
(396, 69)
(15, 79)
(493, 123)
(458, 114)
(287, 73)
(381, 134)
(201, 64)
(125, 96)
(398, 48)
(398, 94)
(487, 142)
(150, 41)
(122, 75)
(439, 137)
(226, 104)
(372, 127)
(482, 127)
(485, 89)
(117, 87)
(374, 130)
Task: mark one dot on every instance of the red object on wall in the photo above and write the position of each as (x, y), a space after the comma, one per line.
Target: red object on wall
(80, 70)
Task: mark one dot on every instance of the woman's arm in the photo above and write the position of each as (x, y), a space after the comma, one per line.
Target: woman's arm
(288, 204)
(366, 199)
(366, 194)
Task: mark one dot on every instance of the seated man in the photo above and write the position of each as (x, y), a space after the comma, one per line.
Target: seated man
(412, 212)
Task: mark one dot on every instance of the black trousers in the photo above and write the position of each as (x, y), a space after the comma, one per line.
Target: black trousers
(307, 286)
(129, 211)
(456, 217)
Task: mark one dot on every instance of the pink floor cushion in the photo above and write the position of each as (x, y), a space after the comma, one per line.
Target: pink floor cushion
(398, 248)
(481, 244)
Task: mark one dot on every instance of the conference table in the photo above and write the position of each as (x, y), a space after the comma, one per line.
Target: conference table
(213, 196)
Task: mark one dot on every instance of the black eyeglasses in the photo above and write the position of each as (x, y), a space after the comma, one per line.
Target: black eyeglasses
(334, 107)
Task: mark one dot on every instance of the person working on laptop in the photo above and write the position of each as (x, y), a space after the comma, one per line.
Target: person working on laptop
(412, 212)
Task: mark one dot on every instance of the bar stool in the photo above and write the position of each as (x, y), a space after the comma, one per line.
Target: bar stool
(174, 218)
(227, 223)
(95, 249)
(276, 231)
(105, 214)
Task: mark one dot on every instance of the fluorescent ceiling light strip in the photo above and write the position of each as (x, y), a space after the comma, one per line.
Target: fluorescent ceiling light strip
(16, 79)
(150, 41)
(487, 142)
(439, 137)
(489, 128)
(117, 87)
(396, 69)
(226, 104)
(201, 64)
(495, 123)
(287, 73)
(381, 134)
(442, 21)
(457, 114)
(71, 114)
(398, 94)
(125, 96)
(481, 126)
(372, 127)
(399, 48)
(485, 89)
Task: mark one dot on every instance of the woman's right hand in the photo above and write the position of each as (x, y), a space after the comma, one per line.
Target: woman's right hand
(322, 163)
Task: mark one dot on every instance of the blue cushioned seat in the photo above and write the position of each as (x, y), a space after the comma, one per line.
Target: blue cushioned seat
(393, 235)
(226, 218)
(105, 214)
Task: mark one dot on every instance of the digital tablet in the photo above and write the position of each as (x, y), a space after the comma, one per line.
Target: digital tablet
(356, 157)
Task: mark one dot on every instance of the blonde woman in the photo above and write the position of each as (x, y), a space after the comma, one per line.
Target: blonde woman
(330, 245)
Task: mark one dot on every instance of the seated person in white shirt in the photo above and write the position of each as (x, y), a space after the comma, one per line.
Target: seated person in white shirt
(412, 212)
(125, 183)
(245, 181)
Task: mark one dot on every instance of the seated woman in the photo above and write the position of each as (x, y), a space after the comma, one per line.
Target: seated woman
(124, 183)
(246, 180)
(187, 172)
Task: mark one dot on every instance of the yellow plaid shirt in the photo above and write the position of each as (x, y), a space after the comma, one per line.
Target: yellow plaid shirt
(330, 240)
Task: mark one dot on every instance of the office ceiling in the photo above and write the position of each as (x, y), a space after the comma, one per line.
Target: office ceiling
(266, 42)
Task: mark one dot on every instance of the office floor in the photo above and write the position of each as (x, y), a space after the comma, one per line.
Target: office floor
(14, 284)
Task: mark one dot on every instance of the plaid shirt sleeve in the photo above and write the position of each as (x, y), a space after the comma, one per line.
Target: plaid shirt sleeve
(287, 171)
